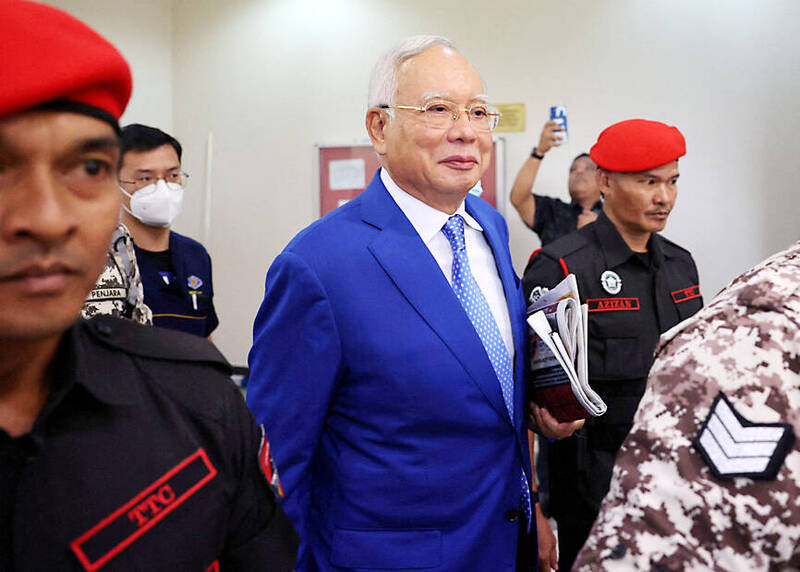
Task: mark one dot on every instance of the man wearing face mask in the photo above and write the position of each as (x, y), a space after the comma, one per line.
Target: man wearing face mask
(175, 269)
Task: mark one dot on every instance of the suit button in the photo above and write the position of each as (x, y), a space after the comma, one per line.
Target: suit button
(512, 515)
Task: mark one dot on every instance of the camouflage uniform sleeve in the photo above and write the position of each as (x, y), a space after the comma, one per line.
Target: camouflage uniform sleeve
(141, 312)
(126, 257)
(104, 298)
(665, 510)
(118, 291)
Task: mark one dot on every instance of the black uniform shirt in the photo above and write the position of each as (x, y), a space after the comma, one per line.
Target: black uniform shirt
(144, 457)
(657, 291)
(553, 218)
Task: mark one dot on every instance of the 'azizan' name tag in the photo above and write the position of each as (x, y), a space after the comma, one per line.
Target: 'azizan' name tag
(122, 527)
(612, 304)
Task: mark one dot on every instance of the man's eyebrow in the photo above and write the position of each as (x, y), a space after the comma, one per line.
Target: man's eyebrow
(482, 97)
(654, 176)
(434, 95)
(105, 144)
(96, 144)
(145, 171)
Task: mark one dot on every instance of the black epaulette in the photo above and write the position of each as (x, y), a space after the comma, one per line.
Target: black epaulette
(565, 245)
(155, 343)
(672, 249)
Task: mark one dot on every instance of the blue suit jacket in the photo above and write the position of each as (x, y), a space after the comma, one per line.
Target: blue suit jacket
(385, 417)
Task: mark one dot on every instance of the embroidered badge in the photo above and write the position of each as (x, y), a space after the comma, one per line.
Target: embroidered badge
(735, 447)
(122, 527)
(611, 282)
(612, 304)
(267, 464)
(536, 293)
(194, 282)
(686, 294)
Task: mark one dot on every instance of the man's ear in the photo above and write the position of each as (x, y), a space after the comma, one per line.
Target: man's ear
(377, 121)
(602, 178)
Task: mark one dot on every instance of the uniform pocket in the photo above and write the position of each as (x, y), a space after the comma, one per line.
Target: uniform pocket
(623, 358)
(615, 351)
(386, 549)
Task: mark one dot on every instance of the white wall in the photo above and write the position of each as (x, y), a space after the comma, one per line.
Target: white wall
(270, 78)
(142, 31)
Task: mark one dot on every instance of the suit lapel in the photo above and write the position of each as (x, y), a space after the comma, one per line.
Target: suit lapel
(509, 279)
(408, 262)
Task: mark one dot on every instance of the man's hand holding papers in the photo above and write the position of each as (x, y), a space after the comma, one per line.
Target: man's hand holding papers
(543, 422)
(558, 374)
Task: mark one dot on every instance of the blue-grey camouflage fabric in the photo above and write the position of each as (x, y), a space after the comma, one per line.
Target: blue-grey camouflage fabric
(118, 291)
(665, 509)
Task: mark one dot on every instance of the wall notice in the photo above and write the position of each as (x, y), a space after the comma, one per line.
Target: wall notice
(346, 174)
(512, 117)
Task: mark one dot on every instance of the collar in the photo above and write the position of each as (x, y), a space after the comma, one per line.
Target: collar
(84, 362)
(425, 219)
(75, 366)
(596, 207)
(615, 249)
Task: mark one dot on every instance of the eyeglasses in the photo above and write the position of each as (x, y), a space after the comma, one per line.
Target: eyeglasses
(442, 114)
(179, 177)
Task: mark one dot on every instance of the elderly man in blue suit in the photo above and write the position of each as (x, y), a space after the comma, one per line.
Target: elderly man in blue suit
(389, 350)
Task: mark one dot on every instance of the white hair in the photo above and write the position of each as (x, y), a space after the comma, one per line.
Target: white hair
(383, 81)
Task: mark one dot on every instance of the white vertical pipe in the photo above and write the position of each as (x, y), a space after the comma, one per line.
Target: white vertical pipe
(207, 201)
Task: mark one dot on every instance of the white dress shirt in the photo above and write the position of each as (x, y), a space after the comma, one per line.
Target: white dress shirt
(428, 223)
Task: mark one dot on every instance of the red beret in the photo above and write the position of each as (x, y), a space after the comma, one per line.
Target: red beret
(46, 55)
(637, 145)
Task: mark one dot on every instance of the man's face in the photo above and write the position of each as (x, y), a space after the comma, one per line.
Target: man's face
(435, 165)
(640, 202)
(582, 182)
(59, 205)
(143, 168)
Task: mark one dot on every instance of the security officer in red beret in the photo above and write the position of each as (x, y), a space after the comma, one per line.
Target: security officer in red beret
(637, 284)
(122, 447)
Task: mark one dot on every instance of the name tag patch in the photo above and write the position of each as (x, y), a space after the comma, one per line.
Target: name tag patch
(686, 294)
(122, 527)
(732, 446)
(612, 304)
(108, 294)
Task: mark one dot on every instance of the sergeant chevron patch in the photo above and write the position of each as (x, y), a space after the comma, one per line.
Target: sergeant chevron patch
(735, 447)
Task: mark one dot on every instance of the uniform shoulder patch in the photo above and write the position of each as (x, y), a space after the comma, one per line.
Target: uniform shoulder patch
(536, 293)
(732, 446)
(685, 294)
(267, 465)
(158, 343)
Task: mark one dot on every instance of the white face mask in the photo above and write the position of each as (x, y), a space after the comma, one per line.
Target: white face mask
(157, 204)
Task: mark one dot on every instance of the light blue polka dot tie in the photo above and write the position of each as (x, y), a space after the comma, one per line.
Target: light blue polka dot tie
(477, 308)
